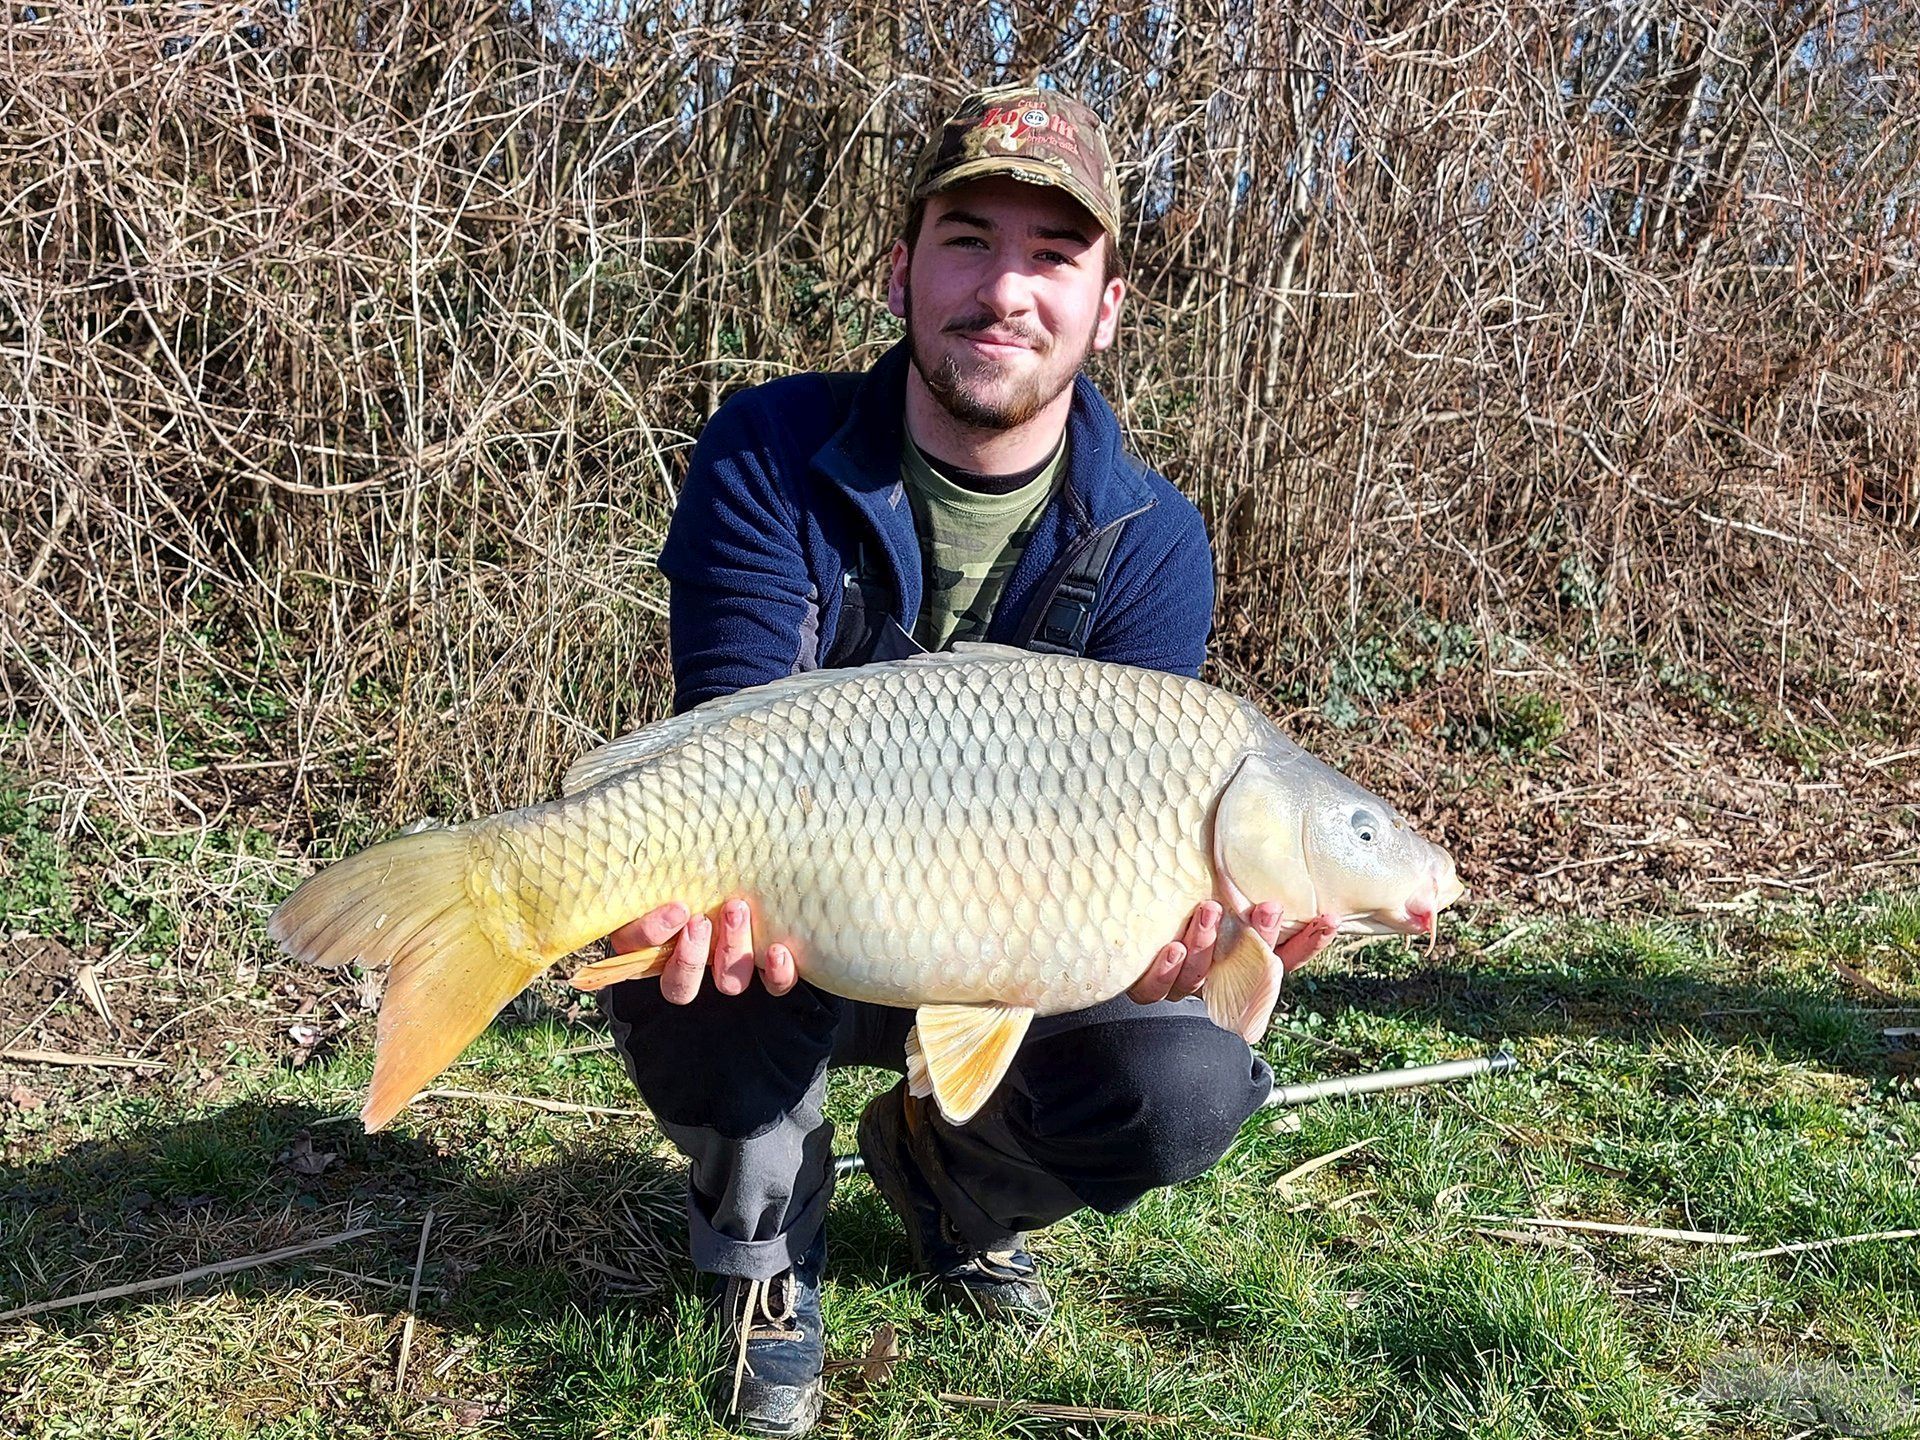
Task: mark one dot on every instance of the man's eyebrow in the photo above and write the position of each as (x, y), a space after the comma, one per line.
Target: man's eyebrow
(1039, 232)
(965, 217)
(1056, 232)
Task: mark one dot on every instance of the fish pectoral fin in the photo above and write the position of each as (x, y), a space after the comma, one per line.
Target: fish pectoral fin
(638, 964)
(1244, 983)
(959, 1053)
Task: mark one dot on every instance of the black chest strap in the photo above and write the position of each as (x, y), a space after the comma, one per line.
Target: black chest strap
(1060, 619)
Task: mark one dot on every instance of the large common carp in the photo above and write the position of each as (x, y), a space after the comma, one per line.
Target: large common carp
(986, 834)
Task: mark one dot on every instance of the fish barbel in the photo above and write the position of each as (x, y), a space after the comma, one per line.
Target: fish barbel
(984, 834)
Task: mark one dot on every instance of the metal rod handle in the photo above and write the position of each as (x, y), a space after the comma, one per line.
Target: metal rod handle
(1287, 1096)
(1499, 1062)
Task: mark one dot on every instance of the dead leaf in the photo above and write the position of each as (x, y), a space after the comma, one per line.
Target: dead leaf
(303, 1159)
(883, 1353)
(25, 1099)
(469, 1412)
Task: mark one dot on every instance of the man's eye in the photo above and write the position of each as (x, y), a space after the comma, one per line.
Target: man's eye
(1054, 257)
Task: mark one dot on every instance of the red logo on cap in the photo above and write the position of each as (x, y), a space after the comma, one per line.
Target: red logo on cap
(1032, 122)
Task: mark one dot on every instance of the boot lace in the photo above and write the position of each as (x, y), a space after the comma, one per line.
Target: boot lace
(766, 1313)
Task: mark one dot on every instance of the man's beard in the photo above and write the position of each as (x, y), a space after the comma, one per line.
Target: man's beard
(978, 395)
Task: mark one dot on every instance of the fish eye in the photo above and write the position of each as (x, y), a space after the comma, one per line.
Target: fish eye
(1366, 826)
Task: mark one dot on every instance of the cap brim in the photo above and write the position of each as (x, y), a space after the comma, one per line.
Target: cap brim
(1033, 172)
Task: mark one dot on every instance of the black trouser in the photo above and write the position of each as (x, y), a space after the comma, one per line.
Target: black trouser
(1099, 1107)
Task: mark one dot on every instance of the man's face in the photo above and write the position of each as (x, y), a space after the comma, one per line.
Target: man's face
(1004, 297)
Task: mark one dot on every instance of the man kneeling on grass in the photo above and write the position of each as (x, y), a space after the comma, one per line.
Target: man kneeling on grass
(1024, 522)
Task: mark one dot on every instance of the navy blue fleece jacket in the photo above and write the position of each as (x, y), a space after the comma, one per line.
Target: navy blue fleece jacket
(786, 484)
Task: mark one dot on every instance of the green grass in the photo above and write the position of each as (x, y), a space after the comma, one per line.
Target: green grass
(1713, 1078)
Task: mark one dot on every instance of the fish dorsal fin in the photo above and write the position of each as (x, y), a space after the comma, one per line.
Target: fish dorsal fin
(1244, 984)
(967, 652)
(986, 650)
(959, 1053)
(620, 755)
(617, 756)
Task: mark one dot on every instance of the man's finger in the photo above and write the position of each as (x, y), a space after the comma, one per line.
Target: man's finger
(1308, 941)
(1193, 973)
(1152, 986)
(1265, 919)
(733, 955)
(680, 979)
(777, 970)
(656, 927)
(1203, 926)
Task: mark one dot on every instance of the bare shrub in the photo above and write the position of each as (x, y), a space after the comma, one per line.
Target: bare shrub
(351, 353)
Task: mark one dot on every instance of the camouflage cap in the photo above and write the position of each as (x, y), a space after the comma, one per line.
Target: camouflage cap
(1039, 136)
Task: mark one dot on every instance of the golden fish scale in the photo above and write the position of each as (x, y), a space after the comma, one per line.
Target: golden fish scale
(1024, 832)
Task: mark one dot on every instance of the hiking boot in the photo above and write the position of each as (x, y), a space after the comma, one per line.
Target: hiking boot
(1001, 1282)
(776, 1344)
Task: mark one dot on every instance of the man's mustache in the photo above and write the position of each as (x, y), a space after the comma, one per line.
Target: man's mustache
(979, 323)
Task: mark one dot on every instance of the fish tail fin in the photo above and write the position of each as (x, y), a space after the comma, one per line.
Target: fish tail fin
(406, 903)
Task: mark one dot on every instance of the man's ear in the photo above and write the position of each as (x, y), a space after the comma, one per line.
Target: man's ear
(1107, 328)
(897, 279)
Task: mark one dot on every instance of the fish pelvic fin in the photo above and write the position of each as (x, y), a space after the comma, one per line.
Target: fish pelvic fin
(407, 903)
(960, 1053)
(1243, 985)
(647, 961)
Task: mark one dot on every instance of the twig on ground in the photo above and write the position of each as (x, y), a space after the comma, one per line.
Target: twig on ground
(1528, 1237)
(166, 1282)
(1801, 1247)
(1300, 1172)
(1855, 978)
(1879, 760)
(454, 1357)
(1041, 1410)
(1577, 865)
(557, 1107)
(1524, 928)
(61, 1057)
(413, 1300)
(1605, 1227)
(1307, 1039)
(883, 1353)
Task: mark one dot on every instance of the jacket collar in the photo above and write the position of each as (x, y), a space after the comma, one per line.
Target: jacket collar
(863, 458)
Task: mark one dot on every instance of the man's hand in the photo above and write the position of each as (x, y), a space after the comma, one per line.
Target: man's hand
(1180, 969)
(732, 959)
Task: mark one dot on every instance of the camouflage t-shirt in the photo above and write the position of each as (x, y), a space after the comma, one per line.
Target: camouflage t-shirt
(969, 543)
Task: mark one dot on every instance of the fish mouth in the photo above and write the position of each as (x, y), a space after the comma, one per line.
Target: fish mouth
(1414, 920)
(1420, 915)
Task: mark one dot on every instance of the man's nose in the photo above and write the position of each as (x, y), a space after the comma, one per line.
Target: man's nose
(1006, 289)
